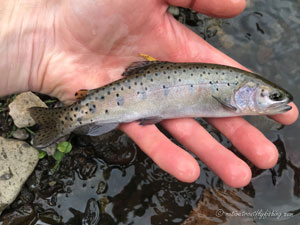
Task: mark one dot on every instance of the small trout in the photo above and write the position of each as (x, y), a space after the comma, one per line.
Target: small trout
(154, 91)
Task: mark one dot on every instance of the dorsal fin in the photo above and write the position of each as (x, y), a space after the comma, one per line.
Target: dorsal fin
(138, 66)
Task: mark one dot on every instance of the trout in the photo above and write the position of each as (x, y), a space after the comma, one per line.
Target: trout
(158, 90)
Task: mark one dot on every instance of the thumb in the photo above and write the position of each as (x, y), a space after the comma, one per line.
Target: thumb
(215, 8)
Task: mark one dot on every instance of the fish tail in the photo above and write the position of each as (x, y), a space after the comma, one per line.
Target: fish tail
(49, 125)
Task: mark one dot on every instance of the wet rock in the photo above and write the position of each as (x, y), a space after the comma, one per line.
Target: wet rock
(226, 40)
(220, 206)
(174, 10)
(91, 213)
(102, 187)
(50, 150)
(18, 109)
(17, 161)
(50, 217)
(263, 123)
(21, 134)
(20, 216)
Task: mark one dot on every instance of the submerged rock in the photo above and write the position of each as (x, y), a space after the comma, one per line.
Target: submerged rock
(17, 161)
(221, 206)
(20, 134)
(18, 109)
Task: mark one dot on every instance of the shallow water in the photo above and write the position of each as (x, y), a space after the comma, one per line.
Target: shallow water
(110, 181)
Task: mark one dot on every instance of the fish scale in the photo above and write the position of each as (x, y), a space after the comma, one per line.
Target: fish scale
(153, 91)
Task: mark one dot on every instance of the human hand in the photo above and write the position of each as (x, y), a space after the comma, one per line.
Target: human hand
(73, 44)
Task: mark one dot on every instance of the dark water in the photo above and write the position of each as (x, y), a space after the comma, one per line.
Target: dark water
(110, 181)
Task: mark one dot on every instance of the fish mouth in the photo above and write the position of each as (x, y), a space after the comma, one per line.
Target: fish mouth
(282, 106)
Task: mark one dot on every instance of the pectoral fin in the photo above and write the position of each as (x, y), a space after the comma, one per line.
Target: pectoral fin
(227, 104)
(96, 129)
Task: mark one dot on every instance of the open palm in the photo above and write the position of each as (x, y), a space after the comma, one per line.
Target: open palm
(91, 42)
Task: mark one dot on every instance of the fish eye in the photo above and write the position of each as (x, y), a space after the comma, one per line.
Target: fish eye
(276, 96)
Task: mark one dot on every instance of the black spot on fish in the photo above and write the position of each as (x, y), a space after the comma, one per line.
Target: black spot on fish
(179, 80)
(87, 104)
(151, 80)
(228, 84)
(71, 118)
(210, 82)
(114, 88)
(141, 83)
(223, 73)
(108, 93)
(71, 109)
(62, 122)
(179, 67)
(129, 87)
(168, 77)
(117, 94)
(217, 89)
(217, 81)
(164, 86)
(217, 73)
(66, 118)
(106, 111)
(75, 115)
(146, 88)
(184, 71)
(156, 74)
(208, 73)
(192, 85)
(148, 71)
(135, 83)
(79, 119)
(204, 72)
(102, 97)
(164, 72)
(192, 74)
(96, 98)
(175, 71)
(122, 89)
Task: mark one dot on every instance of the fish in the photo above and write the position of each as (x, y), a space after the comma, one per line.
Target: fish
(151, 91)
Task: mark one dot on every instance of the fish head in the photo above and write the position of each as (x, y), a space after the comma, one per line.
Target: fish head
(262, 97)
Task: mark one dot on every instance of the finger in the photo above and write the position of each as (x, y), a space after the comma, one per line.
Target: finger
(163, 152)
(216, 8)
(231, 169)
(248, 140)
(288, 117)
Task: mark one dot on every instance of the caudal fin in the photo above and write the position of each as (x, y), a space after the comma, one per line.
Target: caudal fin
(47, 120)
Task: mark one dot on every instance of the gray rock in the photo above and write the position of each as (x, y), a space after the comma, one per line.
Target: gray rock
(50, 150)
(17, 161)
(20, 134)
(18, 109)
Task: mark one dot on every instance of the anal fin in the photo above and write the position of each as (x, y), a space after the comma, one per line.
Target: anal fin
(96, 129)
